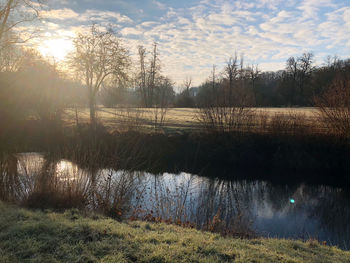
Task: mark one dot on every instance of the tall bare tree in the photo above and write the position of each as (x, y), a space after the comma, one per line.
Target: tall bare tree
(188, 84)
(305, 69)
(148, 75)
(142, 76)
(299, 70)
(292, 70)
(254, 73)
(99, 55)
(231, 72)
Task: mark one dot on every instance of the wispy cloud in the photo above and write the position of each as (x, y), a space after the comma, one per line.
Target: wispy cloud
(60, 14)
(88, 15)
(159, 4)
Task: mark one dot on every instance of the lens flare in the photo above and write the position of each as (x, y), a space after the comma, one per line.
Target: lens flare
(56, 48)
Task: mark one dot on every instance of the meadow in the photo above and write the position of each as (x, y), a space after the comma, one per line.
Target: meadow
(72, 236)
(182, 119)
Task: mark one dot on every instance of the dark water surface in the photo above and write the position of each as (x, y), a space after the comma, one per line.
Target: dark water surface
(283, 211)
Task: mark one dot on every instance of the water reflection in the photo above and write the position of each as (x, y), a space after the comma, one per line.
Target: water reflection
(230, 207)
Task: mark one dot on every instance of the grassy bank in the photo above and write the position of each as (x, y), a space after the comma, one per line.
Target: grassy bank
(33, 236)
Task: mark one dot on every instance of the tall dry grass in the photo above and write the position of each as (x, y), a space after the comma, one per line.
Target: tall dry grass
(250, 120)
(129, 118)
(225, 119)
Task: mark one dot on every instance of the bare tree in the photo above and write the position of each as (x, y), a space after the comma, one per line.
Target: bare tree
(148, 75)
(14, 13)
(231, 72)
(292, 70)
(305, 69)
(156, 90)
(213, 87)
(299, 69)
(153, 71)
(163, 95)
(184, 99)
(187, 84)
(254, 73)
(227, 108)
(142, 76)
(99, 55)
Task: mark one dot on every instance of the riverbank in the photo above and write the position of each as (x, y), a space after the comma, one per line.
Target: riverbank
(279, 157)
(36, 236)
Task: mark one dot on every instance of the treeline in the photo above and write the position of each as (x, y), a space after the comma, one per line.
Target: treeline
(236, 85)
(297, 85)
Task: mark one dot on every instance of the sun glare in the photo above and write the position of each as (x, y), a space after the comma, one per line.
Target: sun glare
(56, 48)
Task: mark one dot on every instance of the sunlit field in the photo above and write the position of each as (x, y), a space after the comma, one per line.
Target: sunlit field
(176, 119)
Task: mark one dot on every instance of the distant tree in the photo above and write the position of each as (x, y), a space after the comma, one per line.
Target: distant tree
(164, 92)
(254, 73)
(298, 76)
(231, 71)
(114, 92)
(292, 75)
(184, 99)
(305, 66)
(268, 89)
(187, 84)
(149, 72)
(98, 56)
(142, 75)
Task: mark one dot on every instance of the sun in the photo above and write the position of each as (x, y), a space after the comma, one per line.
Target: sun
(57, 48)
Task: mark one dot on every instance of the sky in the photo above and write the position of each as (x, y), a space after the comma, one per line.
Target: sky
(194, 35)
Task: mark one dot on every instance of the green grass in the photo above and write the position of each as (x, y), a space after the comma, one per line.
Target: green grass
(34, 236)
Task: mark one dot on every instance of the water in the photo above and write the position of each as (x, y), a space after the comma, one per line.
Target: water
(252, 208)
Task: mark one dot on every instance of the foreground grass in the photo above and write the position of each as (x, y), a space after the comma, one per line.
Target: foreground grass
(27, 236)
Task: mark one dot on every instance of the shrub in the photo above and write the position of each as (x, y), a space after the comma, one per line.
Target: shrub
(334, 107)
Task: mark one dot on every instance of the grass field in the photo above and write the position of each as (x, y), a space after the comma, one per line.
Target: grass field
(34, 236)
(177, 119)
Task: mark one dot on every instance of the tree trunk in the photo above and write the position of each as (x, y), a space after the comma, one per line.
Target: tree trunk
(6, 16)
(92, 106)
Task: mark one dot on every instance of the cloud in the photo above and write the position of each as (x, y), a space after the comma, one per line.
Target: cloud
(336, 28)
(310, 8)
(159, 4)
(60, 14)
(88, 15)
(192, 39)
(104, 16)
(127, 31)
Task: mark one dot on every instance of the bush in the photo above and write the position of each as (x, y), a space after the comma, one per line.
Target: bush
(334, 107)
